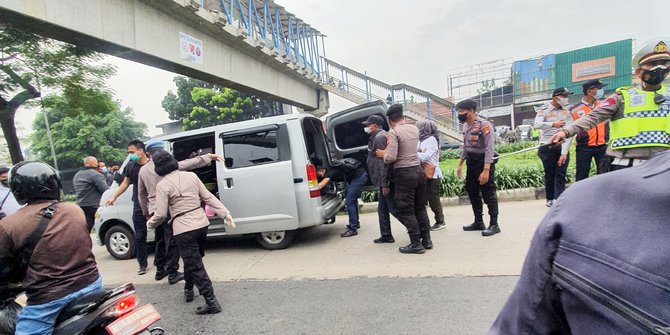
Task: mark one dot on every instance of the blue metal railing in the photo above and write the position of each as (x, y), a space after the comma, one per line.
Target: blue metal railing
(271, 26)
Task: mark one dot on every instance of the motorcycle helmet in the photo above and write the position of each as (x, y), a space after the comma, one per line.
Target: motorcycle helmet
(32, 181)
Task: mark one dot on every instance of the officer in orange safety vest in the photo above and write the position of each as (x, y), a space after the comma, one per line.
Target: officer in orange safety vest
(591, 144)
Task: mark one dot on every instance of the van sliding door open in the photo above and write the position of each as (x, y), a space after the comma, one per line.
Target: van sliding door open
(256, 180)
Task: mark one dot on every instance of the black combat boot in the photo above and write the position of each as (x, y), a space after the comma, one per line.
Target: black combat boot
(212, 306)
(493, 227)
(425, 240)
(477, 225)
(414, 247)
(188, 293)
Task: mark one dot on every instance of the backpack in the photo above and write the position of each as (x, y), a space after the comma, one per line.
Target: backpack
(349, 165)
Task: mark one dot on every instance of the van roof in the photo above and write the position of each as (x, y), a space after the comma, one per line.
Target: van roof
(236, 125)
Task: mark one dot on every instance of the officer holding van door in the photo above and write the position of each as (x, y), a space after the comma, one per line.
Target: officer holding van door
(350, 171)
(639, 127)
(409, 179)
(166, 258)
(379, 176)
(138, 157)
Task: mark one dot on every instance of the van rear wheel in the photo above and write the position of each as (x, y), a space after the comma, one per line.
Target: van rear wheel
(120, 242)
(275, 240)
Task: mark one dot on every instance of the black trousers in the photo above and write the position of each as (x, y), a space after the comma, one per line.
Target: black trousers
(554, 175)
(585, 155)
(192, 248)
(89, 213)
(433, 197)
(385, 209)
(475, 167)
(410, 200)
(167, 251)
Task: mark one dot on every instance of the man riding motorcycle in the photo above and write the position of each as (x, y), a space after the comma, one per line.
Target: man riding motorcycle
(45, 247)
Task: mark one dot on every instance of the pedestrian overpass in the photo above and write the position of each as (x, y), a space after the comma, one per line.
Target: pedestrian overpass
(252, 45)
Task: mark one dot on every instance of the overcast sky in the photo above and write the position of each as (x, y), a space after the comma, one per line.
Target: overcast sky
(420, 42)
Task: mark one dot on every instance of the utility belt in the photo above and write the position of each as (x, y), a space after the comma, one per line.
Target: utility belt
(479, 157)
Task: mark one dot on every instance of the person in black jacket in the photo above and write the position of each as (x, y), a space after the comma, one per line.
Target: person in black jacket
(89, 184)
(355, 179)
(379, 176)
(609, 275)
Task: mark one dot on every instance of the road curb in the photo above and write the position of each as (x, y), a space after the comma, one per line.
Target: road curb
(518, 194)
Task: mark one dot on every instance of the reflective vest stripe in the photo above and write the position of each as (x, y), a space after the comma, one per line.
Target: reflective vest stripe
(644, 124)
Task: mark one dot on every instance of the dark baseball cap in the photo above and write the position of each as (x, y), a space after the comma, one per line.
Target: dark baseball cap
(374, 119)
(593, 83)
(561, 91)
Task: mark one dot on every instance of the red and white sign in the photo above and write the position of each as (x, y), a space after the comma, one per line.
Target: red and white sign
(190, 48)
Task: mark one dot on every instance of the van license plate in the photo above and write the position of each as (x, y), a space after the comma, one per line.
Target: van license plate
(135, 321)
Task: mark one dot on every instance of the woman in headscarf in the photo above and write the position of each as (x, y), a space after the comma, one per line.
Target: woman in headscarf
(180, 194)
(429, 154)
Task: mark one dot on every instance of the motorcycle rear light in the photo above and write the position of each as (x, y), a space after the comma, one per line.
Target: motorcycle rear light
(126, 305)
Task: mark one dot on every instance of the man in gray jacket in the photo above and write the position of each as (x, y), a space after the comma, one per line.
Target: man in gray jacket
(89, 184)
(378, 172)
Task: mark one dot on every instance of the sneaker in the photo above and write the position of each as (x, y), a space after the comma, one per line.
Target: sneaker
(349, 233)
(412, 249)
(438, 226)
(176, 277)
(385, 239)
(550, 203)
(142, 270)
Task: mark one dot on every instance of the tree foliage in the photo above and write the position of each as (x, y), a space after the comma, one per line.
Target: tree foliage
(103, 134)
(198, 104)
(31, 64)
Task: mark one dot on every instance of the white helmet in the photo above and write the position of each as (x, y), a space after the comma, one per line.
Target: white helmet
(655, 49)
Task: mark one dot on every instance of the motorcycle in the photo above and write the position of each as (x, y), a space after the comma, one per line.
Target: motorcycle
(113, 312)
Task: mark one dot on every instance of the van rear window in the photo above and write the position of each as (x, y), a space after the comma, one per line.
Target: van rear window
(351, 135)
(251, 149)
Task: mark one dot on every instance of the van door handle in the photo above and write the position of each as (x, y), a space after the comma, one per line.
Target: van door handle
(297, 180)
(229, 182)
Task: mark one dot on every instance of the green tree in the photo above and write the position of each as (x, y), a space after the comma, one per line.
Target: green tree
(198, 104)
(103, 134)
(30, 64)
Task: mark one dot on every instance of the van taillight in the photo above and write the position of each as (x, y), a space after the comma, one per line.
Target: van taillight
(313, 182)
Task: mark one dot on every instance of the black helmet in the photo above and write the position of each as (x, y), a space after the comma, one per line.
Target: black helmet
(31, 181)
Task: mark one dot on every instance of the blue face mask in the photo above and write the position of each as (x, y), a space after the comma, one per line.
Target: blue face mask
(134, 157)
(104, 170)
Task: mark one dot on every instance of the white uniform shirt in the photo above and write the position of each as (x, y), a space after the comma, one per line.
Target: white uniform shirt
(547, 114)
(429, 152)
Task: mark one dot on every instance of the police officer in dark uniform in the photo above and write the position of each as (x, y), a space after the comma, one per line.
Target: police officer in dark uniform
(480, 176)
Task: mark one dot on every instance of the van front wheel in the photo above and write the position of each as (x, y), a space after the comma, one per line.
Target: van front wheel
(120, 242)
(275, 240)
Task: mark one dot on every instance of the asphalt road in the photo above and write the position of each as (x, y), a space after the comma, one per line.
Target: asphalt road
(324, 284)
(342, 306)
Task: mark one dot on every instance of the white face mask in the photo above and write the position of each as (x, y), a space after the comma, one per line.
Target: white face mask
(563, 101)
(599, 94)
(367, 130)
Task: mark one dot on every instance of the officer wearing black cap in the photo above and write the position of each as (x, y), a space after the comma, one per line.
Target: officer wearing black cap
(378, 172)
(551, 117)
(639, 116)
(591, 144)
(477, 152)
(409, 180)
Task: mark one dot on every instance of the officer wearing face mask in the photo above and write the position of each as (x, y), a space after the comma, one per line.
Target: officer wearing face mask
(592, 144)
(477, 153)
(639, 127)
(550, 118)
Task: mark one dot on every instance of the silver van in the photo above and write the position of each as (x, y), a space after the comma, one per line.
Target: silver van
(268, 180)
